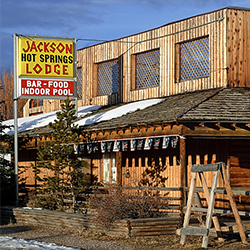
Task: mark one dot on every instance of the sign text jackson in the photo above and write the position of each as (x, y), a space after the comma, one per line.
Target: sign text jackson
(46, 58)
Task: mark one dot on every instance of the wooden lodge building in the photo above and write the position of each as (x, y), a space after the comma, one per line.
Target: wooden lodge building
(199, 68)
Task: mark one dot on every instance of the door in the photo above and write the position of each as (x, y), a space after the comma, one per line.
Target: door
(109, 168)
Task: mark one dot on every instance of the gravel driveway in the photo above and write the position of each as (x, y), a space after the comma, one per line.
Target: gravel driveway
(87, 240)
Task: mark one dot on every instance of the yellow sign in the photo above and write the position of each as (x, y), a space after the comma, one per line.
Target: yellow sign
(46, 58)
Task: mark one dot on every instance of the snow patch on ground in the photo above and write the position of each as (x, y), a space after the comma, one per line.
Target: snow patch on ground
(10, 243)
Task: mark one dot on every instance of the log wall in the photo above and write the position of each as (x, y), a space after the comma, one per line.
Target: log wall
(124, 228)
(235, 153)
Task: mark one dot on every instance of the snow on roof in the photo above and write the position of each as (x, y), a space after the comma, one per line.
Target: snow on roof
(36, 121)
(118, 112)
(31, 122)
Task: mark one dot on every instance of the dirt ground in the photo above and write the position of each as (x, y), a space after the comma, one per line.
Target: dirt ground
(87, 240)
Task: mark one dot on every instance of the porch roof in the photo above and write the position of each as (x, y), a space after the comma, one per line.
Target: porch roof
(215, 105)
(228, 105)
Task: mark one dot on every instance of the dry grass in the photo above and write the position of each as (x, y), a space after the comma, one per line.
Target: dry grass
(117, 204)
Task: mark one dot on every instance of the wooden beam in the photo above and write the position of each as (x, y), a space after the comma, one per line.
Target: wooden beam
(183, 176)
(228, 125)
(210, 129)
(119, 167)
(243, 126)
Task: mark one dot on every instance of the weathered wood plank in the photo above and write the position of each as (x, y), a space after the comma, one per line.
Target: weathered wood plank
(137, 227)
(204, 168)
(194, 231)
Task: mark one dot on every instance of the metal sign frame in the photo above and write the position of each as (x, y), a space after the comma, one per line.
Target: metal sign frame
(17, 80)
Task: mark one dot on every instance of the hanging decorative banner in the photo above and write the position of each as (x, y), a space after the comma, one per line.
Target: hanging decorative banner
(81, 148)
(139, 144)
(174, 141)
(165, 142)
(103, 147)
(132, 144)
(157, 143)
(117, 146)
(76, 148)
(89, 148)
(135, 144)
(109, 146)
(125, 145)
(95, 147)
(148, 143)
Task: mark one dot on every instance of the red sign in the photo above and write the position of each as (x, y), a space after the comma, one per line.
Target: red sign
(43, 88)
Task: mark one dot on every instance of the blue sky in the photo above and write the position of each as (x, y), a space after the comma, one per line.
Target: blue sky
(93, 19)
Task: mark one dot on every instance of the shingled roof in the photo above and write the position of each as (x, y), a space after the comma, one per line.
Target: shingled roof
(228, 105)
(214, 105)
(167, 111)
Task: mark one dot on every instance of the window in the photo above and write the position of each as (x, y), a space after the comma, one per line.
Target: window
(192, 59)
(109, 168)
(36, 103)
(146, 69)
(108, 78)
(79, 82)
(36, 107)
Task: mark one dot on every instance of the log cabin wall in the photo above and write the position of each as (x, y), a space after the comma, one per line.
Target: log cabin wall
(239, 162)
(235, 153)
(207, 151)
(166, 39)
(239, 171)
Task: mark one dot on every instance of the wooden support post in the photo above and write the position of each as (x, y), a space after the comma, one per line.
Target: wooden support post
(183, 175)
(189, 205)
(119, 167)
(210, 207)
(233, 205)
(210, 197)
(214, 218)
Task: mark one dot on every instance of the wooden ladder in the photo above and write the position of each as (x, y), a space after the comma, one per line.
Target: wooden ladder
(198, 169)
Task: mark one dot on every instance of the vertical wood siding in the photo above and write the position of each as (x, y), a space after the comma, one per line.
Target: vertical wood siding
(238, 39)
(164, 38)
(229, 50)
(139, 161)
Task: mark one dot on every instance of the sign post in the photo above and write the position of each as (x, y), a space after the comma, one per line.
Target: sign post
(44, 68)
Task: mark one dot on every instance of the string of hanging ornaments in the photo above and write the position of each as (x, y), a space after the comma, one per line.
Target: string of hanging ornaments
(129, 144)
